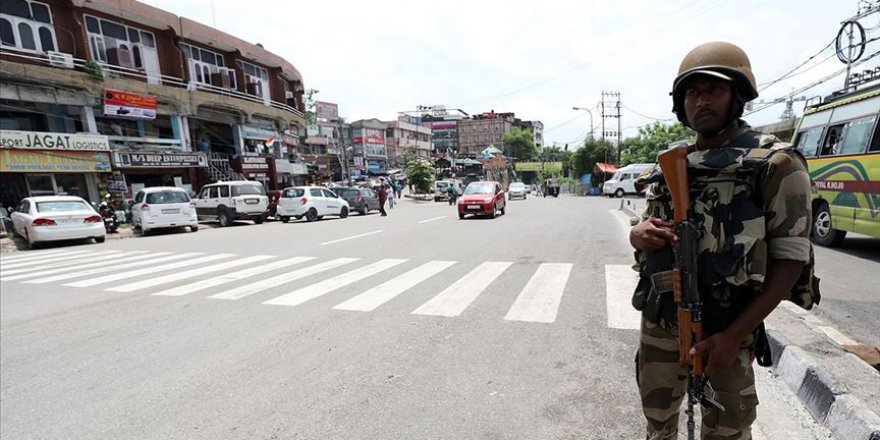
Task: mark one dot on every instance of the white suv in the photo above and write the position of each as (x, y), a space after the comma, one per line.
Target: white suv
(311, 202)
(163, 207)
(230, 201)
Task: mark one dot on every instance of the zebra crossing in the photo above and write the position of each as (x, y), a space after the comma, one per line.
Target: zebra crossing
(230, 277)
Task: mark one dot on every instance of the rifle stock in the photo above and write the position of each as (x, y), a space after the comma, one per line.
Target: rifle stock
(673, 162)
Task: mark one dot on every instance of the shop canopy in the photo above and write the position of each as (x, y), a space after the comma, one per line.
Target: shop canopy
(606, 168)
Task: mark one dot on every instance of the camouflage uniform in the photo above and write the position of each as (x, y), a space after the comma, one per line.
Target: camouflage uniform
(753, 205)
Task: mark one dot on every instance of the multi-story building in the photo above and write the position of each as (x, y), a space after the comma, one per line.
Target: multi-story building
(406, 137)
(483, 130)
(112, 95)
(370, 153)
(444, 132)
(537, 129)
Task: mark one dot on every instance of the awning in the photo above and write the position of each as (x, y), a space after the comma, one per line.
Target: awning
(607, 168)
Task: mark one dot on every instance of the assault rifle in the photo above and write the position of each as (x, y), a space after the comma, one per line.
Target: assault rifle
(673, 163)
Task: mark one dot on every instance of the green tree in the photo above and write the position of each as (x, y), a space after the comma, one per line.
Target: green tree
(585, 158)
(310, 116)
(420, 173)
(653, 139)
(520, 144)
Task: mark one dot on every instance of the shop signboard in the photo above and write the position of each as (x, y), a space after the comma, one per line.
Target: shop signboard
(30, 161)
(36, 140)
(299, 169)
(257, 133)
(117, 186)
(120, 104)
(539, 166)
(326, 110)
(159, 160)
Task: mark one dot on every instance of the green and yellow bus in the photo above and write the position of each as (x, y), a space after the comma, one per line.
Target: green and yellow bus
(840, 138)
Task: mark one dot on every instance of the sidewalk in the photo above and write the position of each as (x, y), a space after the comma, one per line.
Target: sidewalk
(9, 244)
(817, 362)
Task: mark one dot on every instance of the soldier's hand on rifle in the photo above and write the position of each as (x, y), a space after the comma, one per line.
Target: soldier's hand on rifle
(652, 235)
(719, 349)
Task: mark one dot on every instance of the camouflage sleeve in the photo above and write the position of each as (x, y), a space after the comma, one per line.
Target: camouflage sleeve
(786, 193)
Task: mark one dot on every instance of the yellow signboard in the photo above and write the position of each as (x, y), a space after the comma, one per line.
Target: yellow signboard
(42, 161)
(539, 166)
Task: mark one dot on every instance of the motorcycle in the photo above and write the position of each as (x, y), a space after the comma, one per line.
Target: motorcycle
(109, 216)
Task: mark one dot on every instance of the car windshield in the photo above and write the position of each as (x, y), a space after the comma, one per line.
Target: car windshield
(515, 186)
(247, 190)
(480, 188)
(293, 192)
(62, 206)
(166, 197)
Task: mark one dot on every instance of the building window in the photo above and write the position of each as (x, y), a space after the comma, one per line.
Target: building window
(256, 79)
(27, 25)
(206, 67)
(120, 45)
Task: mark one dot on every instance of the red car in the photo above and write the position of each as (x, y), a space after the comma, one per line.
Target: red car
(482, 198)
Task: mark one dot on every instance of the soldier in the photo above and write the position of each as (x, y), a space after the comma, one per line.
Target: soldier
(751, 200)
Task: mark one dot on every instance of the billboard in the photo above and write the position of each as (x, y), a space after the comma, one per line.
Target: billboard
(538, 166)
(119, 104)
(326, 110)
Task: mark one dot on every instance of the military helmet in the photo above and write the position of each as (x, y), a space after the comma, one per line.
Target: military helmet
(720, 59)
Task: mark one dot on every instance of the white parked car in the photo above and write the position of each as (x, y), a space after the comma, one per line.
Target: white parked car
(163, 207)
(311, 202)
(517, 190)
(53, 218)
(234, 200)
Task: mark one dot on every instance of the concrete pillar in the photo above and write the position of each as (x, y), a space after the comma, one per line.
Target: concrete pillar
(180, 127)
(88, 119)
(237, 139)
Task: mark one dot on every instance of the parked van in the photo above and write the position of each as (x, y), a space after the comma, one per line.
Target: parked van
(442, 186)
(623, 181)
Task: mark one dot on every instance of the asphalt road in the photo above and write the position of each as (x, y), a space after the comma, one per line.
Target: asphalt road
(415, 325)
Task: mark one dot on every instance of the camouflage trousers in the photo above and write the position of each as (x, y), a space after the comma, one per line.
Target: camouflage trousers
(663, 383)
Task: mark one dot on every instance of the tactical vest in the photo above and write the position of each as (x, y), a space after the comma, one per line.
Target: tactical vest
(728, 211)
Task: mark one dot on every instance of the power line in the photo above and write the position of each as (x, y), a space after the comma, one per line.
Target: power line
(786, 74)
(646, 116)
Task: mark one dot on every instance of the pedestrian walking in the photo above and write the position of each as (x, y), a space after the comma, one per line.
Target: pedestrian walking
(390, 189)
(770, 226)
(382, 192)
(398, 188)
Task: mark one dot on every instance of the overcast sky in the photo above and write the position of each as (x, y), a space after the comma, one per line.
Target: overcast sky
(536, 58)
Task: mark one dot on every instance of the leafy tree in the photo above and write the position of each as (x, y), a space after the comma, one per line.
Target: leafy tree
(421, 174)
(520, 144)
(310, 116)
(594, 150)
(652, 140)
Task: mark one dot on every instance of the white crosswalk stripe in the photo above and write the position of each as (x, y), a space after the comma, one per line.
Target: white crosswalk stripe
(620, 283)
(50, 261)
(177, 276)
(259, 286)
(457, 297)
(86, 264)
(231, 277)
(375, 297)
(138, 263)
(43, 259)
(100, 256)
(27, 256)
(300, 296)
(539, 300)
(134, 273)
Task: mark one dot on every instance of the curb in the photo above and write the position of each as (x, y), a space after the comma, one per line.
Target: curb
(9, 244)
(832, 384)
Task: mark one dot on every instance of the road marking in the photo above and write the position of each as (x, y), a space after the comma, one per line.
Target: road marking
(30, 267)
(187, 274)
(350, 238)
(539, 300)
(308, 293)
(457, 297)
(433, 219)
(259, 286)
(90, 264)
(375, 297)
(48, 259)
(112, 267)
(620, 283)
(230, 277)
(134, 273)
(32, 255)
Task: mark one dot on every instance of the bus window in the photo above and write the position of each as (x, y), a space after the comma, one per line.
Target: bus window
(875, 143)
(857, 135)
(832, 141)
(808, 141)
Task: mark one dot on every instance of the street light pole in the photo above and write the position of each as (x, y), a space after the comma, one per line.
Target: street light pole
(591, 118)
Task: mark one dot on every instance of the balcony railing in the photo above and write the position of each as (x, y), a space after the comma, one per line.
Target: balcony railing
(79, 65)
(146, 142)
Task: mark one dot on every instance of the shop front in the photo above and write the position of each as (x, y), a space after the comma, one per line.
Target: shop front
(159, 168)
(46, 163)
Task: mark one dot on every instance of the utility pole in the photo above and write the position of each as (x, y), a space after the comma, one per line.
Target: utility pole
(615, 96)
